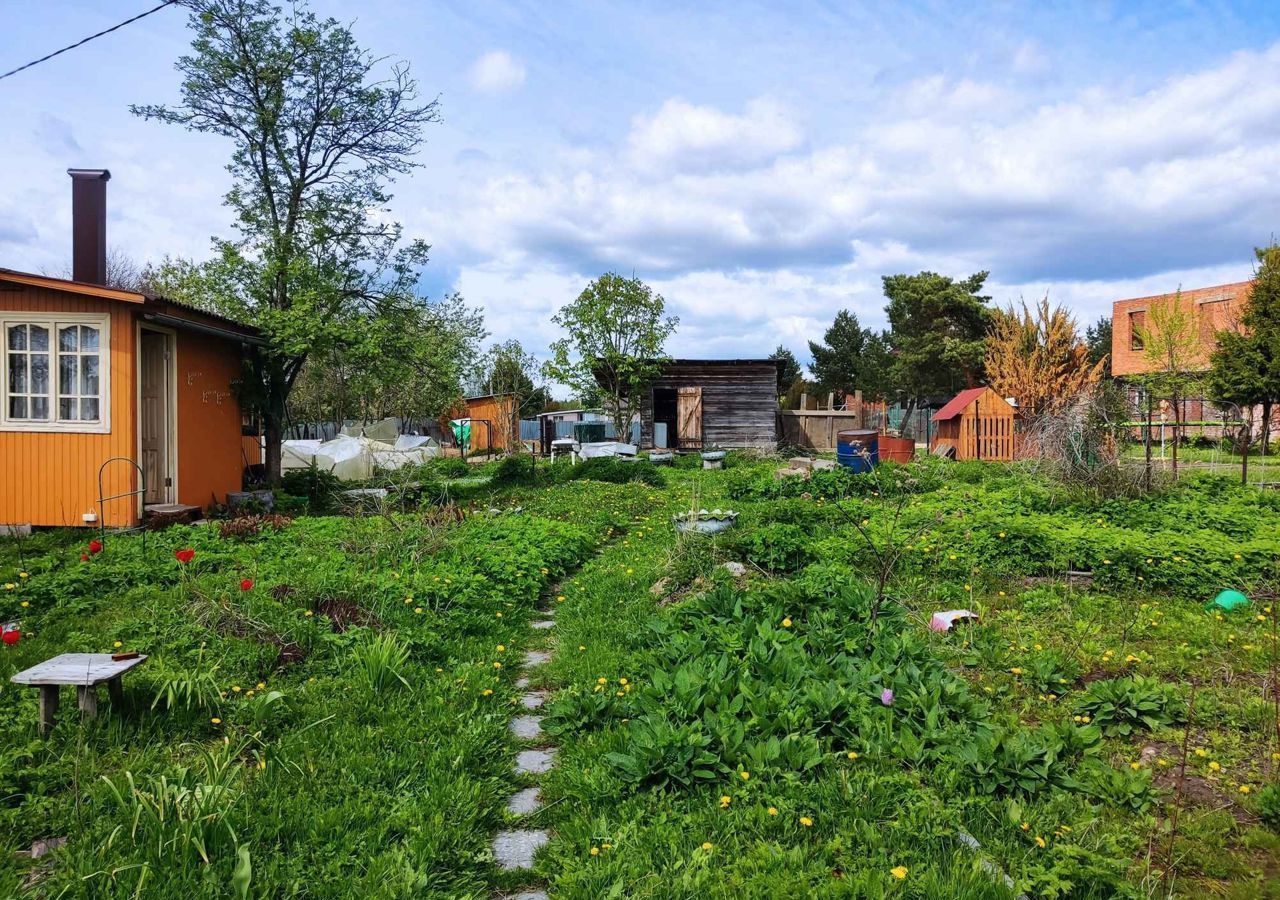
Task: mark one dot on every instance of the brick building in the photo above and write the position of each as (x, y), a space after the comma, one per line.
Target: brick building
(1215, 309)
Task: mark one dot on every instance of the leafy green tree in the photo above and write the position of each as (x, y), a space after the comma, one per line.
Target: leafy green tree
(1245, 366)
(617, 331)
(508, 369)
(318, 131)
(1097, 338)
(850, 358)
(789, 370)
(937, 333)
(1171, 343)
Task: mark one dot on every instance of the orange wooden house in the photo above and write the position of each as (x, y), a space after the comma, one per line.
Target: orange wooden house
(976, 424)
(93, 373)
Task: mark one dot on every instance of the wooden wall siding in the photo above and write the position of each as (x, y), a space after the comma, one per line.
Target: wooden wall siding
(739, 403)
(816, 429)
(51, 478)
(210, 445)
(501, 412)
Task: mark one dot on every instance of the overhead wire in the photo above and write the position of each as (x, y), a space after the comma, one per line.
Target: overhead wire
(92, 37)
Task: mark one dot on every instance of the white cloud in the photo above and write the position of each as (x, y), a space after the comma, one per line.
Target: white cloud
(496, 72)
(681, 137)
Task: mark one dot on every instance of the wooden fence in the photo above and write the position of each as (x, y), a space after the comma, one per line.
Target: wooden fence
(987, 437)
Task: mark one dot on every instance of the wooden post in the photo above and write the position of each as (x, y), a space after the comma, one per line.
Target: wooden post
(115, 688)
(87, 697)
(804, 402)
(48, 707)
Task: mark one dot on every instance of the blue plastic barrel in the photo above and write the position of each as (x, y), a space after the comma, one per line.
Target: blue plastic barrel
(858, 449)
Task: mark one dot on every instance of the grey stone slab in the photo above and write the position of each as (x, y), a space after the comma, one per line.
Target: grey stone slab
(544, 624)
(522, 682)
(537, 658)
(531, 895)
(535, 762)
(525, 802)
(533, 699)
(515, 849)
(527, 727)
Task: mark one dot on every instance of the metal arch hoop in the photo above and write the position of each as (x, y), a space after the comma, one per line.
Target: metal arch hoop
(103, 500)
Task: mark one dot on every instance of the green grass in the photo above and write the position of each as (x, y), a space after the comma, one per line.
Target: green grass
(1051, 731)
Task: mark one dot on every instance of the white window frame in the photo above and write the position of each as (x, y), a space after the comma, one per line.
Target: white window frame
(54, 321)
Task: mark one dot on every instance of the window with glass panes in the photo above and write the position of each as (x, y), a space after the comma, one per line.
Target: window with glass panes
(53, 372)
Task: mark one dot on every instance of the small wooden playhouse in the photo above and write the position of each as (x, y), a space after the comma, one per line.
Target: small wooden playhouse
(975, 424)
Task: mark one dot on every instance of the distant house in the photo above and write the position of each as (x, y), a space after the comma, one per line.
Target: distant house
(975, 424)
(95, 374)
(701, 403)
(1214, 308)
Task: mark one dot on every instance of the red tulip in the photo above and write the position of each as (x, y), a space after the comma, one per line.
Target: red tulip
(12, 634)
(246, 584)
(95, 546)
(185, 555)
(84, 557)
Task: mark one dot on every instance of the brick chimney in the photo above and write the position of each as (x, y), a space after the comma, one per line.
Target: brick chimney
(89, 224)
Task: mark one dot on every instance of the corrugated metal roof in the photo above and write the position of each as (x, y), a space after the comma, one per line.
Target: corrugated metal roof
(957, 403)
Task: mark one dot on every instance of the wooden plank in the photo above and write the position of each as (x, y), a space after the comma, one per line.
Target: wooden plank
(81, 669)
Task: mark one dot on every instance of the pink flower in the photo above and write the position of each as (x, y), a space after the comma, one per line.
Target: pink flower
(886, 697)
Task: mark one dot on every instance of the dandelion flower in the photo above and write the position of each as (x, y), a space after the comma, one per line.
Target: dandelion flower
(117, 644)
(1244, 788)
(1215, 766)
(806, 821)
(773, 810)
(486, 692)
(1041, 842)
(501, 648)
(706, 845)
(725, 801)
(898, 872)
(852, 754)
(786, 623)
(216, 721)
(595, 851)
(1025, 826)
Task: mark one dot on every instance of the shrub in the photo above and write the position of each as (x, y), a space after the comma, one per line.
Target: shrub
(1268, 805)
(614, 471)
(778, 548)
(317, 485)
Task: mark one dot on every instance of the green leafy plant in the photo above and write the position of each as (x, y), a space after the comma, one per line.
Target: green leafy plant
(381, 659)
(1121, 706)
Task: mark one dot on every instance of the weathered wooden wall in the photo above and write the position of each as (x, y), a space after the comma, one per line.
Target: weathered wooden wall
(739, 401)
(816, 429)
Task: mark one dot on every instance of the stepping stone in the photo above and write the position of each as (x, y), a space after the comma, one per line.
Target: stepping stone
(526, 726)
(537, 658)
(515, 849)
(533, 699)
(522, 681)
(535, 762)
(525, 802)
(544, 624)
(530, 895)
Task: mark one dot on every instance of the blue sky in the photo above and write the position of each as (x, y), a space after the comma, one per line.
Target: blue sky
(762, 165)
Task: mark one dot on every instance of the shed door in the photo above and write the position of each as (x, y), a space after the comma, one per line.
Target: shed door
(154, 425)
(689, 417)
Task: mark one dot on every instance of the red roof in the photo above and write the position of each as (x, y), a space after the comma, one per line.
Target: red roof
(956, 404)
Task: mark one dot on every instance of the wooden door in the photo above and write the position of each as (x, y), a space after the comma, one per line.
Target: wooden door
(153, 413)
(689, 418)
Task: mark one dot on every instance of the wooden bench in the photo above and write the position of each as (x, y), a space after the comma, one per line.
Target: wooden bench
(84, 670)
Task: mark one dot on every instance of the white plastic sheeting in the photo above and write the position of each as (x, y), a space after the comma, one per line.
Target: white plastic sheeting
(355, 458)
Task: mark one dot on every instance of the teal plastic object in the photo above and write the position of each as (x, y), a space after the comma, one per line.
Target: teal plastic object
(1229, 599)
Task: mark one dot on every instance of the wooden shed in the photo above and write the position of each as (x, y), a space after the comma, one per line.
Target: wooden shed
(94, 373)
(701, 403)
(975, 424)
(502, 431)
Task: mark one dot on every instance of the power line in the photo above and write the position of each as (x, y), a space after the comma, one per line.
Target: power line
(36, 62)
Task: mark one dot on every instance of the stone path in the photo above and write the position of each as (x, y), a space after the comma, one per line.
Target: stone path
(514, 848)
